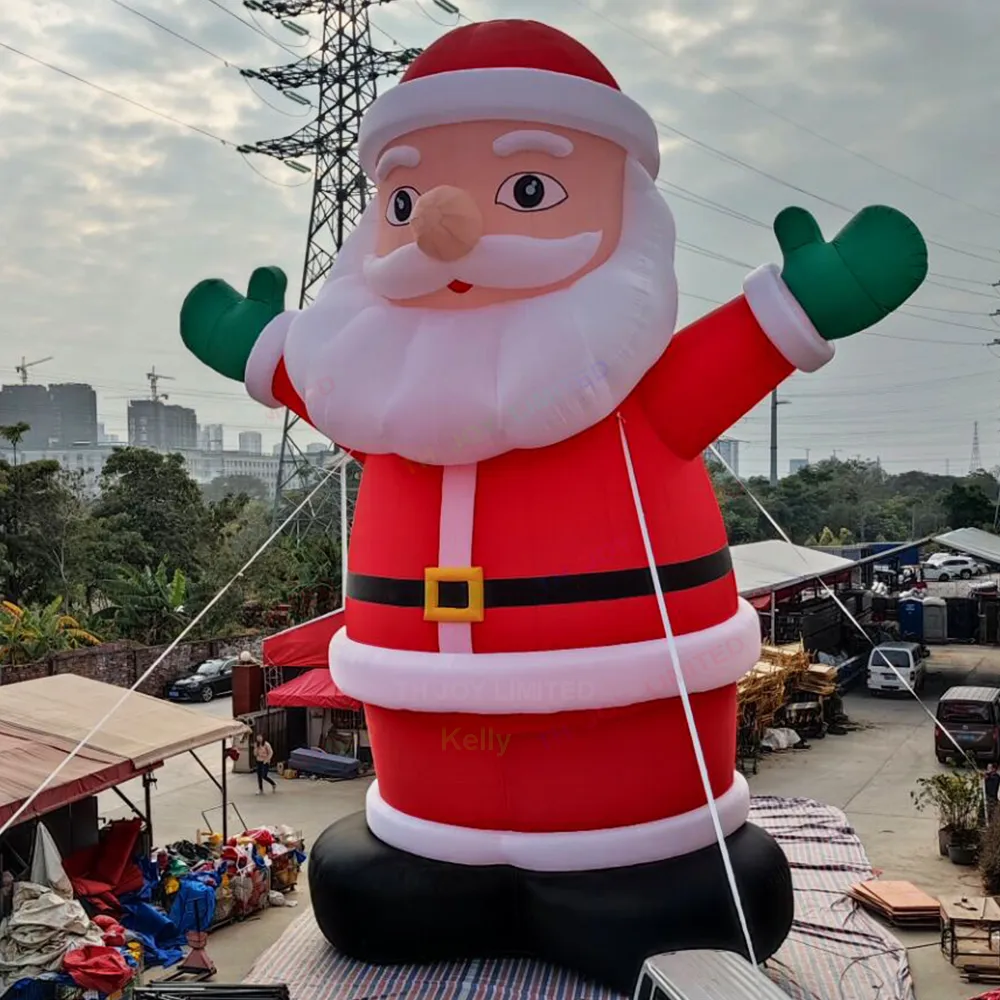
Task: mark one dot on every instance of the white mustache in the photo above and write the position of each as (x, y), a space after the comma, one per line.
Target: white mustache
(501, 261)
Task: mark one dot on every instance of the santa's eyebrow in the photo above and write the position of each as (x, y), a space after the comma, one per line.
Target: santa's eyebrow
(532, 141)
(397, 156)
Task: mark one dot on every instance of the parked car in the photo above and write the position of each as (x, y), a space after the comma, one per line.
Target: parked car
(211, 678)
(972, 717)
(891, 660)
(945, 568)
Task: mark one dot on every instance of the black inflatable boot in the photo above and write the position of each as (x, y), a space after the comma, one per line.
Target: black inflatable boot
(387, 907)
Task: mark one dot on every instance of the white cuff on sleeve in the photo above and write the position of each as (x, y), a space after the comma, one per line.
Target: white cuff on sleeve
(265, 357)
(784, 321)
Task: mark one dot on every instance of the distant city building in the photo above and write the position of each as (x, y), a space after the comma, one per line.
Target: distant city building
(85, 460)
(74, 408)
(729, 449)
(59, 416)
(212, 437)
(251, 443)
(155, 424)
(797, 465)
(317, 448)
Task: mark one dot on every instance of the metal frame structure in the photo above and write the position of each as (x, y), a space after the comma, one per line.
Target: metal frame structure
(345, 69)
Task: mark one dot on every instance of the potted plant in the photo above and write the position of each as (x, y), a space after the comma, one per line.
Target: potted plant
(958, 798)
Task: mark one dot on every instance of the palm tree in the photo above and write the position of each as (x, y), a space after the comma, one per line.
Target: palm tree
(145, 605)
(31, 634)
(14, 434)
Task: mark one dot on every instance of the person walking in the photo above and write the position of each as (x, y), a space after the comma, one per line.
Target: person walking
(263, 755)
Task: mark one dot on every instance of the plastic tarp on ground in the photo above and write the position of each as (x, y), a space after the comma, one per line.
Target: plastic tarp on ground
(763, 567)
(145, 731)
(974, 542)
(312, 689)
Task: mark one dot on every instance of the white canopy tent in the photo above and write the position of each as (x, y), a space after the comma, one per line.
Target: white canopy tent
(764, 567)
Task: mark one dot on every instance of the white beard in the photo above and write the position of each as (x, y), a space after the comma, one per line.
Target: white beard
(451, 387)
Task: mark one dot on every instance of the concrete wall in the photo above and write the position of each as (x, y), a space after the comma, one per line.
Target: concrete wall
(121, 663)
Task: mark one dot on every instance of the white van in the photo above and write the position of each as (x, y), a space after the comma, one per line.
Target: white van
(907, 657)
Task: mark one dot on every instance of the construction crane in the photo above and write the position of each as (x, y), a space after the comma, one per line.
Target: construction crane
(22, 368)
(154, 385)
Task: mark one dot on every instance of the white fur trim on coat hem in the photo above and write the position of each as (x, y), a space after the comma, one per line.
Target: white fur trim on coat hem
(545, 681)
(784, 321)
(265, 357)
(582, 850)
(508, 94)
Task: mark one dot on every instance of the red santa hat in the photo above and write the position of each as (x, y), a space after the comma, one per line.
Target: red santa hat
(509, 71)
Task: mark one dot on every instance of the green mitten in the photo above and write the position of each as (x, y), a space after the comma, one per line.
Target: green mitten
(220, 327)
(870, 268)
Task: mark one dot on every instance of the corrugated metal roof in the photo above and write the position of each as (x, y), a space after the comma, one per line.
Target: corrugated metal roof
(972, 693)
(975, 542)
(711, 975)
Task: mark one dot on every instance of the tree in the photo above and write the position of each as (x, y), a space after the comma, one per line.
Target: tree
(152, 511)
(968, 506)
(14, 435)
(147, 606)
(30, 634)
(234, 486)
(38, 511)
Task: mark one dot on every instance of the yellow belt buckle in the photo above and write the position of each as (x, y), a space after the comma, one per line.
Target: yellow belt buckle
(434, 576)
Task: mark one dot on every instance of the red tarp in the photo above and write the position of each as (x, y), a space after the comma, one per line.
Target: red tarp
(313, 689)
(304, 645)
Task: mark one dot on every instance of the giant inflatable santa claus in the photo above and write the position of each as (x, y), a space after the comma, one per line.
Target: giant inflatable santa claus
(496, 344)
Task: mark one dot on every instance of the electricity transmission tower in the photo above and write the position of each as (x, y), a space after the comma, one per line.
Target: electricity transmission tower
(976, 462)
(344, 71)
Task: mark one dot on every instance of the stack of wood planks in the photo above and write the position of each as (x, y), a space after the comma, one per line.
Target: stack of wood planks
(902, 904)
(818, 679)
(766, 688)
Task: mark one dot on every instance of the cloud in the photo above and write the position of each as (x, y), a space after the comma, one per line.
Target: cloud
(110, 214)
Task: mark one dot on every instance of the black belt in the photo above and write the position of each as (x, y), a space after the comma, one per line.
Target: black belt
(447, 593)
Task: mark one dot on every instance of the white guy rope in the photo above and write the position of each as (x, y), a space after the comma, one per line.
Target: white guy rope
(685, 697)
(843, 607)
(187, 629)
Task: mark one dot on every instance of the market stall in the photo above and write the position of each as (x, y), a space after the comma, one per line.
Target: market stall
(78, 900)
(334, 723)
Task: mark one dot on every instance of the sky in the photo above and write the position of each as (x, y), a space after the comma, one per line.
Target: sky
(110, 213)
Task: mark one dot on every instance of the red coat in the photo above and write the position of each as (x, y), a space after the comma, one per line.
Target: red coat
(570, 640)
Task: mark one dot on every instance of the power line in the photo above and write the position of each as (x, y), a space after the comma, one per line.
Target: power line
(787, 119)
(253, 27)
(121, 97)
(171, 31)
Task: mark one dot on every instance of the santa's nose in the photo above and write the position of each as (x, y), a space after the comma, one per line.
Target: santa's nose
(447, 223)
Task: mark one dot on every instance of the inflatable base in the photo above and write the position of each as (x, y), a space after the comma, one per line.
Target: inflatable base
(384, 906)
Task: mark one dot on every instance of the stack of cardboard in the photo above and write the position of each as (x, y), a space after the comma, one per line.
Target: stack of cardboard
(900, 903)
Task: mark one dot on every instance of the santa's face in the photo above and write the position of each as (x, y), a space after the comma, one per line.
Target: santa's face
(488, 212)
(508, 289)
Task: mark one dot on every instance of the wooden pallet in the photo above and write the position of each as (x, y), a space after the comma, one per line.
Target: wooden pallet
(902, 904)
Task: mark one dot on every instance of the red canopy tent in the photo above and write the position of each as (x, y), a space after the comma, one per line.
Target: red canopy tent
(303, 645)
(307, 646)
(312, 689)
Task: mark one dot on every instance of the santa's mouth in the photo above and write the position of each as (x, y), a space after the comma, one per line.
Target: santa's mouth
(460, 287)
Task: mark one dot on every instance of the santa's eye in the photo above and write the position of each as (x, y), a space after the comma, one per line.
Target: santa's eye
(401, 206)
(531, 193)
